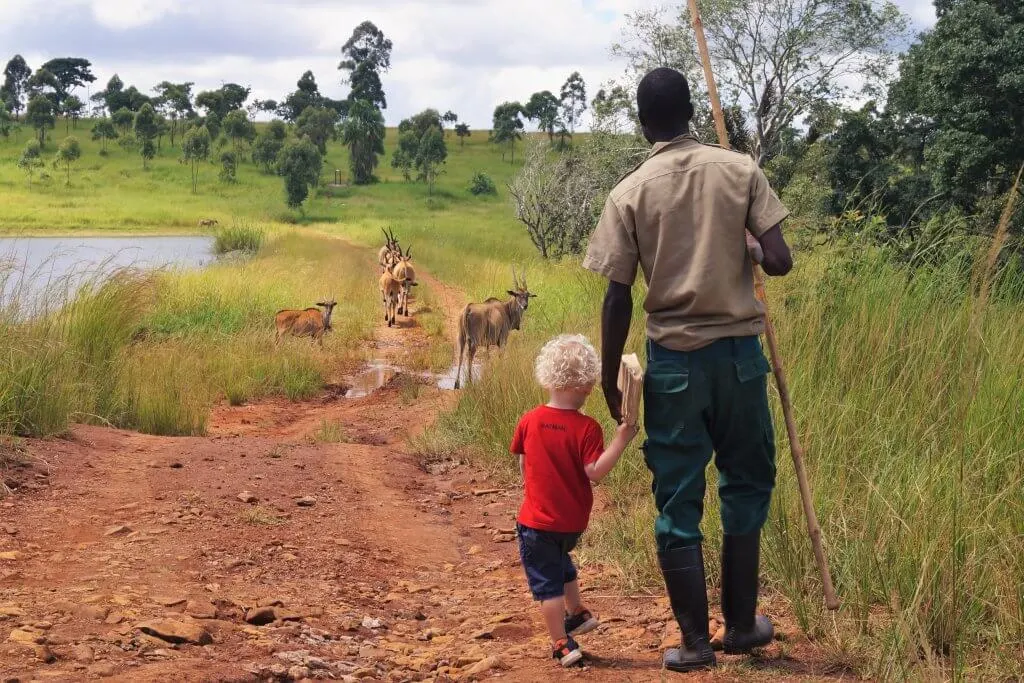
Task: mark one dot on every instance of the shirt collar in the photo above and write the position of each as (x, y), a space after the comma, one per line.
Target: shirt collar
(660, 147)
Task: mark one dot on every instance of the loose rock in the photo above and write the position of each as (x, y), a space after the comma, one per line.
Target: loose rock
(10, 555)
(118, 530)
(485, 665)
(371, 623)
(25, 637)
(247, 497)
(306, 501)
(201, 609)
(260, 616)
(82, 653)
(176, 631)
(45, 655)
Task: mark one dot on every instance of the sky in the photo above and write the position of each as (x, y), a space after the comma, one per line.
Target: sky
(463, 55)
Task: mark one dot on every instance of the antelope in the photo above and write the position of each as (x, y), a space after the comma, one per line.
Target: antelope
(404, 272)
(389, 253)
(489, 323)
(390, 291)
(208, 222)
(309, 322)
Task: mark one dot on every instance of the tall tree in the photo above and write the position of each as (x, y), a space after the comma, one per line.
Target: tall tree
(68, 153)
(431, 156)
(104, 131)
(543, 109)
(146, 130)
(449, 117)
(195, 149)
(175, 101)
(363, 133)
(269, 144)
(508, 126)
(238, 129)
(72, 108)
(228, 97)
(299, 164)
(71, 73)
(367, 54)
(463, 131)
(307, 94)
(123, 118)
(45, 84)
(573, 100)
(6, 121)
(40, 116)
(16, 75)
(113, 96)
(963, 82)
(30, 160)
(317, 124)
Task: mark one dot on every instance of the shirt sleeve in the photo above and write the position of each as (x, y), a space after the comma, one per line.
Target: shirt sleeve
(517, 447)
(613, 251)
(593, 443)
(765, 211)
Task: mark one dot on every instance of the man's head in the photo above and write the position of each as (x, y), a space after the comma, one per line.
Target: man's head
(663, 102)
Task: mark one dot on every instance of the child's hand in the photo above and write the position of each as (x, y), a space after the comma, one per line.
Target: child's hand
(626, 432)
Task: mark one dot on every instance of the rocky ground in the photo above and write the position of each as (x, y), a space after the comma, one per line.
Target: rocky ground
(296, 541)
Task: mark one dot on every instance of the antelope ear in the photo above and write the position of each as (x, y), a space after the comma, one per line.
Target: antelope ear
(511, 293)
(532, 296)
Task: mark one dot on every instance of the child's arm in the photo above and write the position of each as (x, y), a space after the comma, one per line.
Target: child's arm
(522, 467)
(597, 470)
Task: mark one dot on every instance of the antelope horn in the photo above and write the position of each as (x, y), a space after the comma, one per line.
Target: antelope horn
(408, 251)
(387, 239)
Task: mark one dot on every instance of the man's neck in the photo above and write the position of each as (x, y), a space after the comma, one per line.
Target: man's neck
(668, 136)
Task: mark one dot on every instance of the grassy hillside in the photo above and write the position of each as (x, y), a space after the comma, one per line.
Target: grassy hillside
(910, 414)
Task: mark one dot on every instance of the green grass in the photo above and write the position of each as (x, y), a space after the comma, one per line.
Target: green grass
(244, 238)
(911, 423)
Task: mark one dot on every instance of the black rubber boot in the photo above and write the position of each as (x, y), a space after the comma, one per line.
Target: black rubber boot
(744, 628)
(683, 569)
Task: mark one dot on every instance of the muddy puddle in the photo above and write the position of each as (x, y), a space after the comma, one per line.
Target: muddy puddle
(377, 374)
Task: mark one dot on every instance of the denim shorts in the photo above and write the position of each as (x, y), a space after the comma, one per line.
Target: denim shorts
(546, 561)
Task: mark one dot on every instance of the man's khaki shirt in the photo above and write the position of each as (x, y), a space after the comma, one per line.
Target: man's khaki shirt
(681, 217)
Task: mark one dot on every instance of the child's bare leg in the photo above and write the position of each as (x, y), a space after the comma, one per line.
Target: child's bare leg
(573, 603)
(554, 618)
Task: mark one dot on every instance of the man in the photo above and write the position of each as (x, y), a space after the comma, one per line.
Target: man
(682, 217)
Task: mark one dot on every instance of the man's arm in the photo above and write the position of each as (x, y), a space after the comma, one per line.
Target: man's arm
(776, 257)
(616, 315)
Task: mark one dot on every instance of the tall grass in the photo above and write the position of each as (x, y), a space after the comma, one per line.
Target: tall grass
(245, 238)
(154, 351)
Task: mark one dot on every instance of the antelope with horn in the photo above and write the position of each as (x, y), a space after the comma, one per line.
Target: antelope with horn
(489, 323)
(389, 253)
(309, 322)
(404, 273)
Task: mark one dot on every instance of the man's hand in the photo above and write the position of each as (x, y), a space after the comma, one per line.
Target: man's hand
(754, 249)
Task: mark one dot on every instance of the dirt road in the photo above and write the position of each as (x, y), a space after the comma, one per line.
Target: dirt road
(295, 541)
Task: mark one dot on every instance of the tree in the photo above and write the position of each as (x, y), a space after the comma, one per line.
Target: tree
(317, 124)
(228, 97)
(70, 73)
(307, 95)
(195, 148)
(123, 118)
(40, 116)
(962, 84)
(543, 109)
(104, 131)
(229, 167)
(778, 59)
(573, 100)
(174, 100)
(146, 130)
(421, 147)
(299, 164)
(238, 129)
(68, 153)
(450, 117)
(463, 131)
(269, 144)
(367, 54)
(508, 126)
(16, 75)
(72, 108)
(46, 84)
(363, 133)
(6, 121)
(29, 161)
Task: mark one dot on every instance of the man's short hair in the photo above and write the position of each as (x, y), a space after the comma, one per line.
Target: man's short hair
(663, 100)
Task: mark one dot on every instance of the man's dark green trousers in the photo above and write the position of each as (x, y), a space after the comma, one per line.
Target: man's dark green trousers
(712, 400)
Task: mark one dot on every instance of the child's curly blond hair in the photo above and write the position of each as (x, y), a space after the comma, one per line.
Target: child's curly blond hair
(567, 362)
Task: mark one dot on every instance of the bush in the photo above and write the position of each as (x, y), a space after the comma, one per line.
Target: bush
(239, 238)
(482, 184)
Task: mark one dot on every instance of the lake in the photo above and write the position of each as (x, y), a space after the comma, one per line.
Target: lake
(29, 265)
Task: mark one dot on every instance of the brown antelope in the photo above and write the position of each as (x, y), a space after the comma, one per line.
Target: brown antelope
(404, 272)
(310, 322)
(208, 222)
(388, 255)
(489, 323)
(390, 291)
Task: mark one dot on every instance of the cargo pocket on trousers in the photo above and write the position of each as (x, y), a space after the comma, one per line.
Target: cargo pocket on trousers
(752, 368)
(665, 407)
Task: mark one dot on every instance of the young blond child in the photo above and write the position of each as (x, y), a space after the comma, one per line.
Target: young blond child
(561, 451)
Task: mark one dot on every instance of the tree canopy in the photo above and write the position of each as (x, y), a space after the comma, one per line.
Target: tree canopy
(366, 55)
(363, 133)
(299, 164)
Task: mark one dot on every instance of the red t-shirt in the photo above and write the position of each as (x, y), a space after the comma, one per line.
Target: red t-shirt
(556, 444)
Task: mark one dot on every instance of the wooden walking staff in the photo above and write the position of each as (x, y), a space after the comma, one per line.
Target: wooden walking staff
(831, 601)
